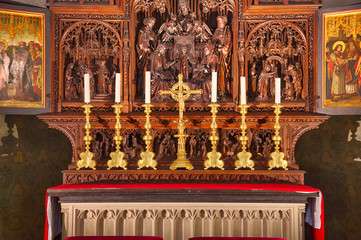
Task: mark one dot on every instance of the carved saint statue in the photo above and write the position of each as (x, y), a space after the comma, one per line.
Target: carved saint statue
(103, 78)
(263, 82)
(185, 16)
(222, 39)
(70, 85)
(288, 91)
(185, 62)
(202, 73)
(162, 75)
(146, 44)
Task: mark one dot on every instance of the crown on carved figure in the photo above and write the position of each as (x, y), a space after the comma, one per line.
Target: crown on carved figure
(182, 3)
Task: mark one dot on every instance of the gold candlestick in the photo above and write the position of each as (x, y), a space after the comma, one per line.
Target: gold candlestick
(86, 158)
(180, 92)
(117, 156)
(277, 156)
(244, 157)
(214, 156)
(147, 157)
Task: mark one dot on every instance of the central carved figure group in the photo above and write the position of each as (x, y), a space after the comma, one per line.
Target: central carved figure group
(184, 45)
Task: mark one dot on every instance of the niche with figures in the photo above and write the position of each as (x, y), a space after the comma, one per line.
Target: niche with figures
(191, 38)
(276, 49)
(90, 47)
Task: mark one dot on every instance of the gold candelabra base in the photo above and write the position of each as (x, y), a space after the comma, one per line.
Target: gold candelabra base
(181, 161)
(86, 160)
(244, 158)
(117, 160)
(147, 157)
(86, 157)
(117, 157)
(214, 157)
(277, 160)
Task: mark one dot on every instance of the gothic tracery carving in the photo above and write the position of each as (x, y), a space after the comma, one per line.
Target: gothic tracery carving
(276, 49)
(93, 47)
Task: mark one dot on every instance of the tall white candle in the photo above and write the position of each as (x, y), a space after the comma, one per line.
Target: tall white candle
(147, 87)
(214, 87)
(243, 91)
(86, 88)
(117, 87)
(278, 91)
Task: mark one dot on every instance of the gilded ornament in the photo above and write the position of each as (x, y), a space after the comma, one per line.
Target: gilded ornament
(277, 160)
(86, 158)
(147, 157)
(244, 157)
(214, 157)
(117, 157)
(180, 92)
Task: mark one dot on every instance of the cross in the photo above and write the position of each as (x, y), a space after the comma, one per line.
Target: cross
(180, 92)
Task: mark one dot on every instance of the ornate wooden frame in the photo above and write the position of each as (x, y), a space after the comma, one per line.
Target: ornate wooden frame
(333, 107)
(36, 19)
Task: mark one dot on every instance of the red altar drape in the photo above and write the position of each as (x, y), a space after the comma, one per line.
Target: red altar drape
(316, 205)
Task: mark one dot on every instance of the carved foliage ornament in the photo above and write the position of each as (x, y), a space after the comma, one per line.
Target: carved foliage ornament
(143, 5)
(276, 38)
(228, 5)
(172, 214)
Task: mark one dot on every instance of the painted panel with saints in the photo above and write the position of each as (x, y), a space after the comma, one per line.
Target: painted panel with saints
(22, 59)
(341, 69)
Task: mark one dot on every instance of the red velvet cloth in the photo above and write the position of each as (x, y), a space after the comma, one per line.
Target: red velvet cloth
(317, 234)
(235, 238)
(114, 238)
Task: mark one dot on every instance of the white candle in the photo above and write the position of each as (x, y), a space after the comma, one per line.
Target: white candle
(86, 88)
(117, 87)
(278, 91)
(147, 87)
(214, 87)
(243, 91)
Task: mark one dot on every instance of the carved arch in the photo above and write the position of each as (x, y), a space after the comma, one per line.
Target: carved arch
(88, 40)
(250, 35)
(295, 138)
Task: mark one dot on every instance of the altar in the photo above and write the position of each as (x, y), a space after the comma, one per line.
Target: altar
(182, 211)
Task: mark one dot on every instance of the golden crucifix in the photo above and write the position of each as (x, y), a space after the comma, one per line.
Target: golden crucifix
(180, 92)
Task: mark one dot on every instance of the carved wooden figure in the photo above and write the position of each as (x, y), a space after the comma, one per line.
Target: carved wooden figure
(222, 39)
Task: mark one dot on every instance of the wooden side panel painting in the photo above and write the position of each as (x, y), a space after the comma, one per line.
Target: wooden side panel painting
(341, 62)
(22, 60)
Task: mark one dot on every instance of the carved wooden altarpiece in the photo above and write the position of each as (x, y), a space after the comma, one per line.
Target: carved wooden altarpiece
(259, 39)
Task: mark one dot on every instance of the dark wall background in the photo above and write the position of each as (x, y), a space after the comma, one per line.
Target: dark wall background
(32, 157)
(328, 156)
